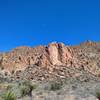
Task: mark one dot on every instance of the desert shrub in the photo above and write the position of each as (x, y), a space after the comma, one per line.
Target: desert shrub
(26, 88)
(9, 87)
(9, 96)
(56, 86)
(98, 95)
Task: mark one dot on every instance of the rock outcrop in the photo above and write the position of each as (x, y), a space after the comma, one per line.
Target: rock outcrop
(73, 72)
(59, 54)
(20, 58)
(54, 60)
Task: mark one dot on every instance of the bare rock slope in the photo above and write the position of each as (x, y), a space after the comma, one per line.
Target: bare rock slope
(53, 61)
(21, 57)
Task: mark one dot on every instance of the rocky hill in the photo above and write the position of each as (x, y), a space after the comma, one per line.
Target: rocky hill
(59, 72)
(53, 61)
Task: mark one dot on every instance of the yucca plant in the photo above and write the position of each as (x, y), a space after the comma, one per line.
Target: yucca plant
(27, 88)
(9, 96)
(24, 90)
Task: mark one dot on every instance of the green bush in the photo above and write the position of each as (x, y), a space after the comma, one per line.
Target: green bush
(9, 87)
(24, 91)
(98, 95)
(56, 86)
(9, 96)
(26, 88)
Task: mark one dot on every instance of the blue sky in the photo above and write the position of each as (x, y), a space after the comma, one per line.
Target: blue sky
(35, 22)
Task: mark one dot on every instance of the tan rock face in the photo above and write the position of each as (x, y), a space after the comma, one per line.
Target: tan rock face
(55, 60)
(59, 54)
(20, 58)
(54, 54)
(65, 53)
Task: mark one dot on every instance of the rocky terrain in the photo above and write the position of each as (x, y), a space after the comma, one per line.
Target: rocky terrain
(77, 67)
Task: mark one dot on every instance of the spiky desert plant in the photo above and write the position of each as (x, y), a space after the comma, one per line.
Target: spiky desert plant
(27, 88)
(9, 96)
